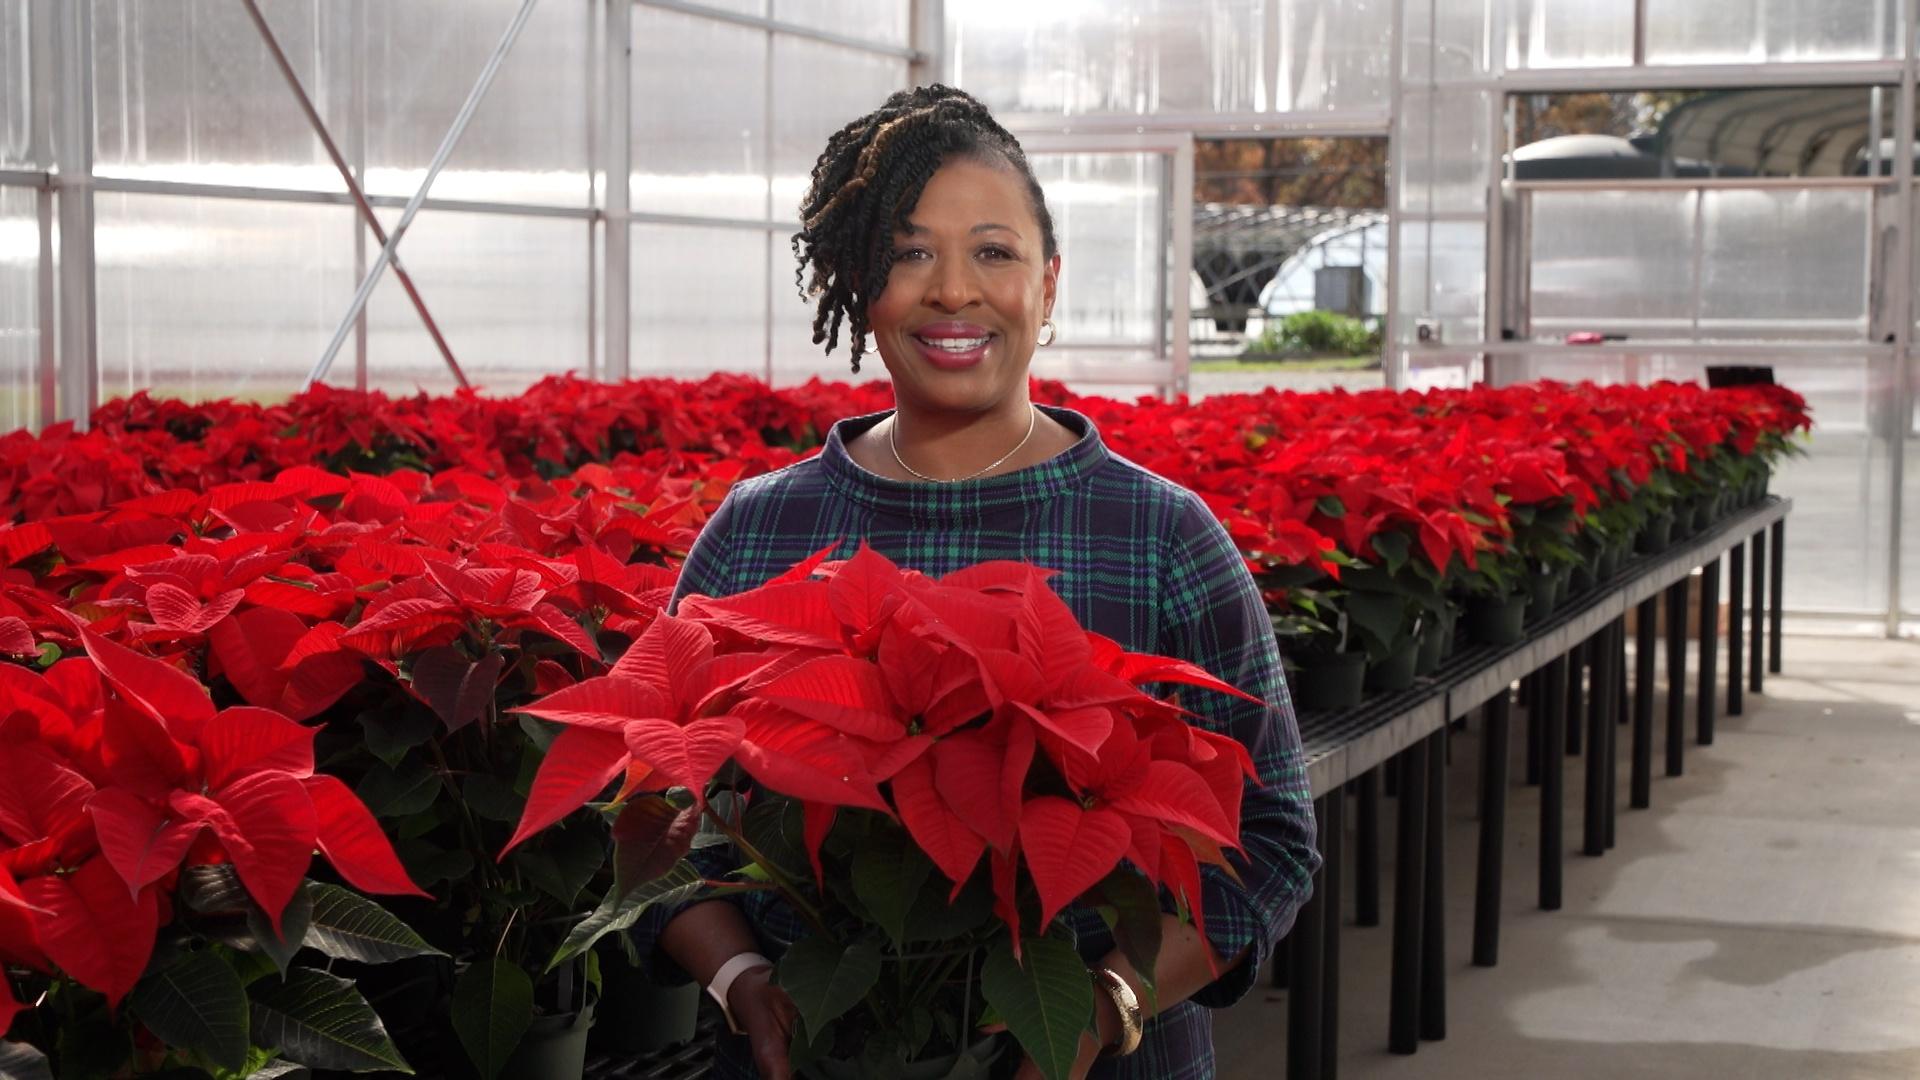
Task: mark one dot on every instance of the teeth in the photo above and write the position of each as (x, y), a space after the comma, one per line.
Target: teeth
(957, 344)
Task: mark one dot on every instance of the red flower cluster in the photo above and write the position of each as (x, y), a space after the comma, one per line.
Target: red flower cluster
(864, 687)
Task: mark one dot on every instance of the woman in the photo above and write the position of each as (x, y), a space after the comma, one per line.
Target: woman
(928, 236)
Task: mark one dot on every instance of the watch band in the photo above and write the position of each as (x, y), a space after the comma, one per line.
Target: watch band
(1132, 1027)
(723, 982)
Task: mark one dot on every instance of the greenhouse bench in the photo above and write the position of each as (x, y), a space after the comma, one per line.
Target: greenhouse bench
(1402, 737)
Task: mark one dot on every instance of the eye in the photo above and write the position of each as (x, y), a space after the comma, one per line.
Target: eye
(995, 251)
(910, 254)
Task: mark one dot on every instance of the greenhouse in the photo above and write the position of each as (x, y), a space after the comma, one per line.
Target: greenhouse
(951, 538)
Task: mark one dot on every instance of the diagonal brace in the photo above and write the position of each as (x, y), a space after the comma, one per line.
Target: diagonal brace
(440, 156)
(353, 185)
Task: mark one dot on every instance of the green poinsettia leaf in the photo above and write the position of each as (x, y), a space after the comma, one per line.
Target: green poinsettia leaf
(615, 914)
(197, 1003)
(492, 1009)
(1045, 998)
(348, 926)
(321, 1022)
(825, 979)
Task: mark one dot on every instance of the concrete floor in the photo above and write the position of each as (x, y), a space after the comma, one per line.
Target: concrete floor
(1761, 920)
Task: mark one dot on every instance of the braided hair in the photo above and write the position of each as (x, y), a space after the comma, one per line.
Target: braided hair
(866, 182)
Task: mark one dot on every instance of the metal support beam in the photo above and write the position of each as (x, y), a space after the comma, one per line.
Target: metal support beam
(1709, 651)
(353, 188)
(1494, 752)
(618, 344)
(79, 362)
(1756, 657)
(1409, 894)
(1646, 620)
(1676, 676)
(927, 27)
(1553, 764)
(440, 156)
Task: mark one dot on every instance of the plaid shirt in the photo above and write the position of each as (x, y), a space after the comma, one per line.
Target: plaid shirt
(1140, 560)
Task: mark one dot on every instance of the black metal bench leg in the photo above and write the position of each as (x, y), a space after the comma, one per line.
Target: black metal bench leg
(1617, 718)
(1736, 625)
(1646, 646)
(1756, 657)
(1306, 982)
(1709, 650)
(1366, 850)
(1599, 725)
(1576, 715)
(1552, 773)
(1533, 698)
(1333, 875)
(1778, 574)
(1409, 887)
(1493, 830)
(1676, 676)
(1433, 937)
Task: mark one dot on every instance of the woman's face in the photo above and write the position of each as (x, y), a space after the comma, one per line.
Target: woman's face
(970, 286)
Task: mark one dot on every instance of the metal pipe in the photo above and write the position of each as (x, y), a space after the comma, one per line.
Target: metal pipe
(1366, 850)
(452, 139)
(1332, 839)
(1409, 894)
(1599, 723)
(139, 186)
(791, 29)
(1756, 658)
(1433, 934)
(1676, 676)
(1646, 637)
(353, 189)
(79, 338)
(1709, 651)
(1777, 563)
(1553, 764)
(1493, 829)
(1306, 953)
(618, 349)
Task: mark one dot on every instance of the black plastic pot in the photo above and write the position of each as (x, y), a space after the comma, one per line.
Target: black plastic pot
(554, 1048)
(1436, 642)
(1609, 562)
(1656, 536)
(1498, 620)
(639, 1016)
(1543, 595)
(1394, 671)
(1333, 681)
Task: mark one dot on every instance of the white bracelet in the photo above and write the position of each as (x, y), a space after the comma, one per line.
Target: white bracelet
(723, 982)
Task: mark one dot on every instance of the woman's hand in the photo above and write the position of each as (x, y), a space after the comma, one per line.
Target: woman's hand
(766, 1014)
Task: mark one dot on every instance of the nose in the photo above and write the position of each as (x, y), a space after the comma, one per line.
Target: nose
(952, 286)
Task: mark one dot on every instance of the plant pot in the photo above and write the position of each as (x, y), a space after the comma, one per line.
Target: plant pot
(1608, 563)
(1656, 535)
(1396, 670)
(976, 1062)
(1498, 620)
(1436, 641)
(1335, 681)
(554, 1048)
(1543, 595)
(1701, 515)
(1585, 577)
(639, 1016)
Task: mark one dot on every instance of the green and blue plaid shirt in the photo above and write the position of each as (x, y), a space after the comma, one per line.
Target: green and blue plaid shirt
(1140, 560)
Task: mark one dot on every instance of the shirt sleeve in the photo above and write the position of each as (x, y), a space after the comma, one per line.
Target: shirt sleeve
(1212, 615)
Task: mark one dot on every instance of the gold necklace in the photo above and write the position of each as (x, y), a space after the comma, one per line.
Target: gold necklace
(1033, 421)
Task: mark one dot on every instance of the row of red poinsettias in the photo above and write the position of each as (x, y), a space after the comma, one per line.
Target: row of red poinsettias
(407, 573)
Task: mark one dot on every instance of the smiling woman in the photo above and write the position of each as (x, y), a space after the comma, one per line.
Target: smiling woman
(927, 237)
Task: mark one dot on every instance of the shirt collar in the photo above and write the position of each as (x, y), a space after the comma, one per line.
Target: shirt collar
(1031, 486)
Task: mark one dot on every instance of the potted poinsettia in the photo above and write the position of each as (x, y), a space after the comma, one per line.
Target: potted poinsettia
(155, 911)
(925, 773)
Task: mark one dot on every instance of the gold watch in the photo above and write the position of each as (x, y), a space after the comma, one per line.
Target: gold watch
(1128, 1005)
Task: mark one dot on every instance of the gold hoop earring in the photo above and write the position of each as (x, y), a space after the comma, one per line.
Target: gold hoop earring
(1049, 330)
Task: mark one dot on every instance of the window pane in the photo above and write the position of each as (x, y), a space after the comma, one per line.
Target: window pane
(1719, 31)
(1109, 214)
(699, 301)
(699, 116)
(16, 102)
(509, 294)
(185, 90)
(884, 21)
(1784, 264)
(1131, 56)
(795, 357)
(206, 298)
(19, 309)
(1570, 33)
(1443, 146)
(1333, 56)
(1612, 261)
(817, 89)
(528, 140)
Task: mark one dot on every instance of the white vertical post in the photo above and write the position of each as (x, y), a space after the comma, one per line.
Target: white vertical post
(1182, 264)
(768, 248)
(1396, 165)
(928, 20)
(592, 109)
(79, 375)
(357, 151)
(1900, 307)
(619, 159)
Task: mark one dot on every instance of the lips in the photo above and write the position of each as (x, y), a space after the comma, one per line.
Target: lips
(953, 346)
